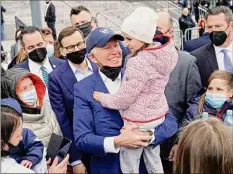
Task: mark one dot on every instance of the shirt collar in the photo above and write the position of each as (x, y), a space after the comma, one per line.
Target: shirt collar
(36, 66)
(105, 78)
(75, 69)
(219, 49)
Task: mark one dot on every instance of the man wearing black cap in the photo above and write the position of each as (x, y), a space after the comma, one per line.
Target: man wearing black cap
(97, 129)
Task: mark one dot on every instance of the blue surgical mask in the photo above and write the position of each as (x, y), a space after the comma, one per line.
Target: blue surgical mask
(50, 50)
(29, 97)
(215, 100)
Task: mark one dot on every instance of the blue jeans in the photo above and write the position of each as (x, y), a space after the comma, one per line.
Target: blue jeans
(2, 32)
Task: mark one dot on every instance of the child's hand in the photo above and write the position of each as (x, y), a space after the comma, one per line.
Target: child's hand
(98, 96)
(26, 163)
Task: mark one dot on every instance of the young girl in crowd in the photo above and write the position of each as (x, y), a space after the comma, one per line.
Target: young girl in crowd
(29, 151)
(205, 146)
(13, 139)
(141, 95)
(217, 99)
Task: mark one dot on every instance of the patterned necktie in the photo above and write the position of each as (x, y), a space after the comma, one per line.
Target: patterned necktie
(227, 61)
(45, 76)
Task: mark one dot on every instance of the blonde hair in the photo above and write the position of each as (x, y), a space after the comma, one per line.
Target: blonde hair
(223, 75)
(205, 146)
(21, 56)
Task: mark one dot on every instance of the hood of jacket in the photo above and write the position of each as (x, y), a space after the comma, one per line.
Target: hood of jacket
(12, 103)
(162, 55)
(9, 85)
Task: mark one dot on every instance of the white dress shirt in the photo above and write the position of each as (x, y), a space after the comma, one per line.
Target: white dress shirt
(220, 55)
(80, 74)
(35, 68)
(113, 87)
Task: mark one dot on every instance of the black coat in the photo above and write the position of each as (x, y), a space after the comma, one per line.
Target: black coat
(206, 61)
(51, 13)
(2, 10)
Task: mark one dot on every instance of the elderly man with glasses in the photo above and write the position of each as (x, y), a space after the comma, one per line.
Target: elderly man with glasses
(61, 81)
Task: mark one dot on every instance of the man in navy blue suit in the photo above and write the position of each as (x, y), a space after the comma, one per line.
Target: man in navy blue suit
(38, 63)
(98, 130)
(61, 91)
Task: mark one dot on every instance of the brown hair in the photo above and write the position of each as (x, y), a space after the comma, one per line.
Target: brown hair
(205, 146)
(223, 75)
(21, 56)
(64, 33)
(78, 9)
(46, 31)
(10, 120)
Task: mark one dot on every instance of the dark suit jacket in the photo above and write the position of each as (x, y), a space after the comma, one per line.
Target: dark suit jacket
(206, 61)
(61, 94)
(184, 82)
(2, 10)
(53, 61)
(194, 44)
(92, 123)
(51, 13)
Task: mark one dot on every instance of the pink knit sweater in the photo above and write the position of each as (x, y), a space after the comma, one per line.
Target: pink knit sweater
(141, 95)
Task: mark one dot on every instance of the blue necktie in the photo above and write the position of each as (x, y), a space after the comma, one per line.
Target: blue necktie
(227, 61)
(45, 76)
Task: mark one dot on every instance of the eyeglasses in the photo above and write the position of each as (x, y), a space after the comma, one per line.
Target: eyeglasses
(71, 48)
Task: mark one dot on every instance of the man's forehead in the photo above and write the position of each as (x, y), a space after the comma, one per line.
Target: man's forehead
(82, 16)
(72, 39)
(35, 37)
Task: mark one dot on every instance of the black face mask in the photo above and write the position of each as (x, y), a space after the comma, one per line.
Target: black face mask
(218, 37)
(77, 57)
(85, 28)
(111, 72)
(38, 55)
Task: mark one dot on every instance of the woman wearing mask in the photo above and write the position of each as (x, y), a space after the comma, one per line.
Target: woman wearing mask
(205, 146)
(29, 90)
(11, 135)
(216, 100)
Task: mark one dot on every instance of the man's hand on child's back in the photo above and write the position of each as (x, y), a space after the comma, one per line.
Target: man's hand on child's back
(26, 163)
(98, 96)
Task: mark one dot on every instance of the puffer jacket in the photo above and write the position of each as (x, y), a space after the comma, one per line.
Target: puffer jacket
(41, 119)
(193, 113)
(141, 95)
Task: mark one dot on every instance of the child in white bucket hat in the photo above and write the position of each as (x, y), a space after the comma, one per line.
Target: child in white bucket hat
(141, 95)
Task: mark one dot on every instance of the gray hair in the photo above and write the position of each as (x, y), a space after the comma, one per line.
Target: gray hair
(221, 9)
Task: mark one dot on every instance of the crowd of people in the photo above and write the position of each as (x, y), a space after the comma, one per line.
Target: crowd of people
(129, 103)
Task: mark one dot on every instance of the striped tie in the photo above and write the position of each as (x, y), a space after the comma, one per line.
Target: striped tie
(45, 76)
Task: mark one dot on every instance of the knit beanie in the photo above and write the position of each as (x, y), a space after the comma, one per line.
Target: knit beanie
(141, 24)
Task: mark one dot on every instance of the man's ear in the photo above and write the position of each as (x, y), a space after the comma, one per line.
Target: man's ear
(231, 93)
(62, 52)
(92, 58)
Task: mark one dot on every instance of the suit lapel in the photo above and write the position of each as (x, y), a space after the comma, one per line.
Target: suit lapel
(211, 57)
(68, 77)
(52, 63)
(99, 83)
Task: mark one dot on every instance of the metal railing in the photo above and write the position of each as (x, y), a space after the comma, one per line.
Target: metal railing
(191, 33)
(107, 19)
(67, 4)
(202, 11)
(178, 38)
(129, 5)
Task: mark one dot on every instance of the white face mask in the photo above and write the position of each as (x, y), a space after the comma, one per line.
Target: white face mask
(29, 97)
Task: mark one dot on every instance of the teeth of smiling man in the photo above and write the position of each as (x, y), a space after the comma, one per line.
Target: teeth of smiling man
(114, 59)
